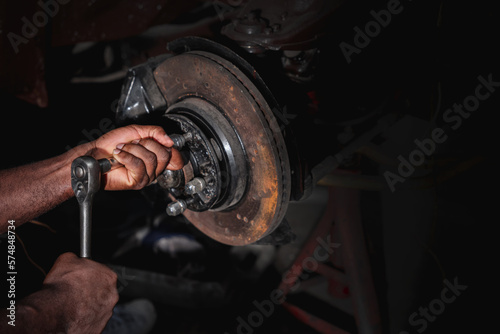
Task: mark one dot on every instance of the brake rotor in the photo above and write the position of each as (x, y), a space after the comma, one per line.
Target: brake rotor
(236, 147)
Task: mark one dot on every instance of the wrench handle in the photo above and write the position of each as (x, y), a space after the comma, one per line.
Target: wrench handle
(85, 229)
(108, 164)
(85, 181)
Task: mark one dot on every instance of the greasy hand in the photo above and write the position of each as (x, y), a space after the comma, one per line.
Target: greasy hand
(84, 293)
(144, 150)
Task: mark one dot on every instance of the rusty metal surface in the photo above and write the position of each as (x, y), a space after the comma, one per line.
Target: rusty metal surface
(206, 76)
(282, 24)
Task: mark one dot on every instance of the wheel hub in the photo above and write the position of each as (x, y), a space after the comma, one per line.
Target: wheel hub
(215, 157)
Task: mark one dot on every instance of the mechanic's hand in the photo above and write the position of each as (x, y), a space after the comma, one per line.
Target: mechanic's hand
(144, 150)
(84, 293)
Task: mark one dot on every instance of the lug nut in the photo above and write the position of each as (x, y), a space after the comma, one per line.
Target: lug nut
(195, 186)
(176, 208)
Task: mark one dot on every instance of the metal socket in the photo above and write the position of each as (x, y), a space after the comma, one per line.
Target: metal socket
(172, 178)
(180, 140)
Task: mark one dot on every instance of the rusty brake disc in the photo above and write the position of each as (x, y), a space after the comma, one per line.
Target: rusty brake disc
(235, 148)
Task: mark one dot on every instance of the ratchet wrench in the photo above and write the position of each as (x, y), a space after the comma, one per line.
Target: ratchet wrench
(86, 174)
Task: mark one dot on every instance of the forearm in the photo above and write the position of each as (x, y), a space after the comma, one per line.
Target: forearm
(145, 151)
(37, 313)
(28, 191)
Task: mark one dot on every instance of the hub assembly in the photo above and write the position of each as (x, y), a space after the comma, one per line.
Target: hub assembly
(235, 184)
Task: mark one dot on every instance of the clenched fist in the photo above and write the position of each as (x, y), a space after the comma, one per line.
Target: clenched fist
(145, 152)
(77, 297)
(84, 293)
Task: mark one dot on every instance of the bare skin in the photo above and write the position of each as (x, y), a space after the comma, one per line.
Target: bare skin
(28, 191)
(78, 295)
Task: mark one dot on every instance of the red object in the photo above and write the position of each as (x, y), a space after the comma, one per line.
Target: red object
(318, 324)
(342, 218)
